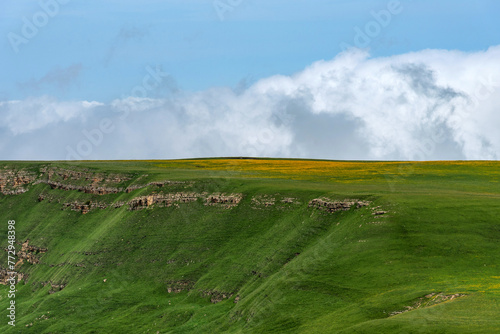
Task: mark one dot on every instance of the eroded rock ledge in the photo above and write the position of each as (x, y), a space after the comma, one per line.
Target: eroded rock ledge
(428, 300)
(276, 201)
(17, 181)
(331, 206)
(14, 182)
(166, 200)
(58, 173)
(226, 201)
(28, 253)
(90, 189)
(4, 277)
(85, 207)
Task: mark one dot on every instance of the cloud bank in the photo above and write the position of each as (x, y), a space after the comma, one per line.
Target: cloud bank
(432, 104)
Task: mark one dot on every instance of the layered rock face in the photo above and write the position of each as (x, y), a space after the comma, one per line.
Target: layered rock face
(328, 205)
(14, 182)
(28, 253)
(167, 200)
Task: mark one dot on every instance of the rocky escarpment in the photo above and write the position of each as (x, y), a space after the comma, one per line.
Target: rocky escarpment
(162, 200)
(15, 182)
(179, 286)
(96, 178)
(166, 200)
(428, 300)
(82, 180)
(223, 200)
(85, 207)
(276, 201)
(56, 287)
(104, 190)
(89, 189)
(5, 276)
(28, 253)
(328, 205)
(226, 201)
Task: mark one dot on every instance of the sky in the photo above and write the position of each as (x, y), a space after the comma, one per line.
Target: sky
(167, 79)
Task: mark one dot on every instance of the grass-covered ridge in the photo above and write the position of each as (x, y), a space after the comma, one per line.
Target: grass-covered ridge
(422, 257)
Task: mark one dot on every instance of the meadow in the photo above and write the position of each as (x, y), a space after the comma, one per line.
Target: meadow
(422, 257)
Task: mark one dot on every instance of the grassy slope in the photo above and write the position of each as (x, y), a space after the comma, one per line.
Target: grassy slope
(441, 235)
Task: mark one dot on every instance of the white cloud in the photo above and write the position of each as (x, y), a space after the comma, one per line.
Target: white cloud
(32, 114)
(432, 104)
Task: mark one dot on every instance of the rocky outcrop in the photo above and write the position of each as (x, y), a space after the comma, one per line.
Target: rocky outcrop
(89, 189)
(226, 201)
(179, 286)
(99, 184)
(85, 207)
(290, 200)
(29, 253)
(428, 300)
(276, 201)
(174, 199)
(63, 174)
(5, 277)
(217, 296)
(263, 200)
(162, 200)
(56, 288)
(331, 206)
(15, 182)
(118, 204)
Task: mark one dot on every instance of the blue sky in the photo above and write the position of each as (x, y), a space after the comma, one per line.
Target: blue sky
(111, 42)
(121, 79)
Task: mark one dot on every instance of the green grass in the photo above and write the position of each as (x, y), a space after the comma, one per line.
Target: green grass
(294, 269)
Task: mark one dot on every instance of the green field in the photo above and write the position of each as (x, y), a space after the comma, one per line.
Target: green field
(422, 257)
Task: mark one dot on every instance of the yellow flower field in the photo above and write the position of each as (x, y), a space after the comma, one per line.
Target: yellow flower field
(340, 171)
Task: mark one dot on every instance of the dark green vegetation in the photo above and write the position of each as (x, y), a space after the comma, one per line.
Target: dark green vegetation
(270, 263)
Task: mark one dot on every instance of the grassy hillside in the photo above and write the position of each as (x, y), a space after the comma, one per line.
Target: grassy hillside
(240, 246)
